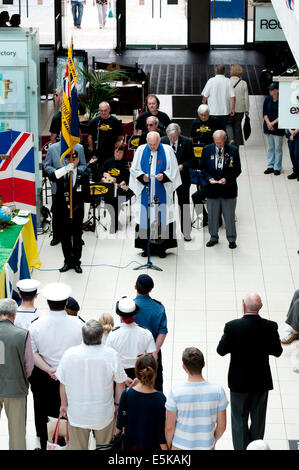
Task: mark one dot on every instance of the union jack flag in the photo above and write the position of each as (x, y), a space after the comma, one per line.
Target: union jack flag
(17, 173)
(290, 4)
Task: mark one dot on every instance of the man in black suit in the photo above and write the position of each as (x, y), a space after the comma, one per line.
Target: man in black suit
(182, 147)
(71, 238)
(249, 340)
(220, 166)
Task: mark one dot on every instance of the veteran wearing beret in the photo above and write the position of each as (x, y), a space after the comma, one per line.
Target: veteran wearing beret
(51, 335)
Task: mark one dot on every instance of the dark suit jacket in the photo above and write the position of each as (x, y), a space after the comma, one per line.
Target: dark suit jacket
(250, 340)
(81, 194)
(184, 155)
(230, 171)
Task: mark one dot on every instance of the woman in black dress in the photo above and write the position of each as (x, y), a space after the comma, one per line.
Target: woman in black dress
(145, 418)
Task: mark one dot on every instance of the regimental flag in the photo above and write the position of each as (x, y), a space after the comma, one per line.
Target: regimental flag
(17, 173)
(70, 135)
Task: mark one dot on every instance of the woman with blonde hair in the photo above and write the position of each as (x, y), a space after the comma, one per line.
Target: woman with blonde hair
(234, 127)
(107, 323)
(145, 409)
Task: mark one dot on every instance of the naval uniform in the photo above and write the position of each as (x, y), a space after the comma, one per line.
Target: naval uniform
(131, 340)
(153, 317)
(51, 335)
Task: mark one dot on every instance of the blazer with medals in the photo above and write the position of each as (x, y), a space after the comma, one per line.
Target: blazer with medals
(250, 340)
(184, 155)
(230, 171)
(81, 194)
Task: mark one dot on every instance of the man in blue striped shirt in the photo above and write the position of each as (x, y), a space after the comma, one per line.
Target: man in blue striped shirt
(196, 410)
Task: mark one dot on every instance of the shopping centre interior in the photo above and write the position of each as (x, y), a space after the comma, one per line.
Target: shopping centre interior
(202, 288)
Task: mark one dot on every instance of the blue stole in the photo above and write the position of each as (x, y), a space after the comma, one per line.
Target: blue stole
(158, 189)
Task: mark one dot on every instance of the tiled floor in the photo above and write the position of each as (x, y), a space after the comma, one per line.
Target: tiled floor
(201, 287)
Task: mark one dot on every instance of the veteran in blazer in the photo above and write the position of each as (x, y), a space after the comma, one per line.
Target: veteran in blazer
(71, 238)
(50, 164)
(220, 166)
(249, 340)
(182, 147)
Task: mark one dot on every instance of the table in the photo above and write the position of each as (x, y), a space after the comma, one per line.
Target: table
(18, 255)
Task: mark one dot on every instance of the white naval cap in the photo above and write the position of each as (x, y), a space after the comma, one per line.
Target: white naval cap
(126, 307)
(28, 285)
(56, 291)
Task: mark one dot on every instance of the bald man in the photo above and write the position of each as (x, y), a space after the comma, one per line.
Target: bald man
(103, 132)
(154, 176)
(220, 166)
(249, 340)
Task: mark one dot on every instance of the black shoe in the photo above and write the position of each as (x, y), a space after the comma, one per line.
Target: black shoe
(78, 268)
(220, 222)
(66, 267)
(144, 254)
(162, 254)
(232, 245)
(187, 238)
(268, 171)
(276, 172)
(212, 243)
(205, 222)
(292, 176)
(55, 241)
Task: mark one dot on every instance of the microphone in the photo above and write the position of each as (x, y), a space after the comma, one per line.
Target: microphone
(150, 160)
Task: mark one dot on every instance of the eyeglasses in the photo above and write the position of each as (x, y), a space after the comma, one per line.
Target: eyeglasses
(150, 125)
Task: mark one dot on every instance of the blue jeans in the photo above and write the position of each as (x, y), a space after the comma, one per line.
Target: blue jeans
(274, 151)
(77, 11)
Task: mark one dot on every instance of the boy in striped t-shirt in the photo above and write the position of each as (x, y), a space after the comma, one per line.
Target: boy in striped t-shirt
(196, 410)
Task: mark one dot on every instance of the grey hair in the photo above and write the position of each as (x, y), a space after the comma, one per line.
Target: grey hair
(202, 109)
(106, 103)
(155, 119)
(219, 133)
(92, 333)
(253, 302)
(8, 307)
(153, 134)
(172, 128)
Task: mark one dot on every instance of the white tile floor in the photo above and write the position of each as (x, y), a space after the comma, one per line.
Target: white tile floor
(265, 261)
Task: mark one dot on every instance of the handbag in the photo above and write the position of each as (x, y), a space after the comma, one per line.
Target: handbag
(60, 440)
(118, 441)
(247, 128)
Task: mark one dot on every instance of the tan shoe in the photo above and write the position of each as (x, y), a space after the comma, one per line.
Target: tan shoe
(289, 338)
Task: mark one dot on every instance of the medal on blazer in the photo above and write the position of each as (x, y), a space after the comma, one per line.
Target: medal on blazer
(220, 159)
(231, 163)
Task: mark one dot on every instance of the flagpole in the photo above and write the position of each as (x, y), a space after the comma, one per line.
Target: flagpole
(72, 148)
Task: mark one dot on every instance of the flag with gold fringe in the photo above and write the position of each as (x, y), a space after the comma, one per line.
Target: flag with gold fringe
(70, 135)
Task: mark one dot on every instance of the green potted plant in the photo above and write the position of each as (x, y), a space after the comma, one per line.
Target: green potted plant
(100, 86)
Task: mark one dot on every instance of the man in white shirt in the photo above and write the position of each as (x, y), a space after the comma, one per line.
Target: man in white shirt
(219, 94)
(51, 335)
(130, 340)
(86, 373)
(27, 312)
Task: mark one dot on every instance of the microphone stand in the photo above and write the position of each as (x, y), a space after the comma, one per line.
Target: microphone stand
(149, 264)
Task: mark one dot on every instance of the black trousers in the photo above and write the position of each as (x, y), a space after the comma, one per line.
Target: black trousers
(183, 193)
(57, 228)
(198, 199)
(46, 402)
(243, 406)
(71, 239)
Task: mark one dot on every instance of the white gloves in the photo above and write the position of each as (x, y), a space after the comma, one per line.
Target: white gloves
(60, 172)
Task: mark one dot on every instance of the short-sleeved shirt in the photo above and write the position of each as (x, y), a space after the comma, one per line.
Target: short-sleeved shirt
(270, 109)
(130, 341)
(196, 405)
(117, 169)
(151, 315)
(53, 333)
(164, 120)
(88, 373)
(24, 318)
(202, 131)
(145, 419)
(104, 134)
(219, 91)
(55, 127)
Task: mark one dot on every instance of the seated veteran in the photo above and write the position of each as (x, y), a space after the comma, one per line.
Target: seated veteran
(152, 124)
(115, 170)
(152, 104)
(204, 126)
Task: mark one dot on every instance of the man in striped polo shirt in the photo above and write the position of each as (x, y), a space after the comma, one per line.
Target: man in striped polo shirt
(196, 410)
